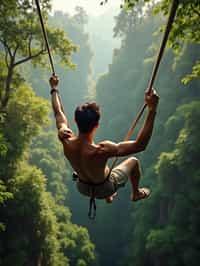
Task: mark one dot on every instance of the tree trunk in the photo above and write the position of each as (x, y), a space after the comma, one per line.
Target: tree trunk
(5, 98)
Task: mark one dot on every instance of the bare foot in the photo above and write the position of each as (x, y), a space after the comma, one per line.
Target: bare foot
(111, 198)
(142, 193)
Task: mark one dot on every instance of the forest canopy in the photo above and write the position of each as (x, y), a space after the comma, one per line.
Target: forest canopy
(43, 219)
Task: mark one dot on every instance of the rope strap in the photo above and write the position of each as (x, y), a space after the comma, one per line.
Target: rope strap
(92, 203)
(170, 21)
(92, 209)
(45, 36)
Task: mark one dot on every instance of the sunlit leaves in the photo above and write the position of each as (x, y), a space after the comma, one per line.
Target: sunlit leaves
(3, 146)
(32, 206)
(28, 111)
(195, 73)
(47, 154)
(161, 242)
(178, 182)
(4, 194)
(22, 41)
(21, 30)
(185, 29)
(26, 115)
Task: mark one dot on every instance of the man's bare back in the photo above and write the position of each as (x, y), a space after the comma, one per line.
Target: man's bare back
(86, 159)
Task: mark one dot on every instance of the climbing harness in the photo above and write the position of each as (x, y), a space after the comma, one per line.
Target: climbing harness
(92, 202)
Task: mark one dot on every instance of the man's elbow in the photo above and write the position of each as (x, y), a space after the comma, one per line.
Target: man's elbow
(141, 146)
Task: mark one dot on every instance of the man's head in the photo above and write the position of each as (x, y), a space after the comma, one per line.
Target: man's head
(87, 117)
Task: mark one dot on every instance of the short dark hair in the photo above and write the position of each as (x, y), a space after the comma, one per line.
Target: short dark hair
(87, 116)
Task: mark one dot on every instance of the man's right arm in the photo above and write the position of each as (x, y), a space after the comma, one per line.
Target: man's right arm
(125, 148)
(144, 135)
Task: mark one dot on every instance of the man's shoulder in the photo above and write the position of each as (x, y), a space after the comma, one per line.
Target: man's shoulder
(69, 142)
(65, 134)
(107, 147)
(106, 142)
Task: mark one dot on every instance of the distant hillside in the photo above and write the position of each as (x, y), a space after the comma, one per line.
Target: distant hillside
(100, 29)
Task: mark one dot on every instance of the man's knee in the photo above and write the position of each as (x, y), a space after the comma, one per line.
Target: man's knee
(133, 161)
(134, 164)
(130, 165)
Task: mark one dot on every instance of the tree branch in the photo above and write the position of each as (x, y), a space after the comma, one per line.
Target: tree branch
(6, 58)
(5, 99)
(6, 47)
(29, 45)
(15, 51)
(28, 58)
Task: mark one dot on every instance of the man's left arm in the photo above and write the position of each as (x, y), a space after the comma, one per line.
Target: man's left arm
(64, 131)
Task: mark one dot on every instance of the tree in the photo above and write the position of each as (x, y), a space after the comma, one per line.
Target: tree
(127, 21)
(4, 196)
(185, 28)
(26, 113)
(30, 235)
(21, 41)
(73, 84)
(178, 179)
(46, 153)
(80, 16)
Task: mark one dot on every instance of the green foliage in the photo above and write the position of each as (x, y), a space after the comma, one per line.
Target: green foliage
(4, 196)
(21, 41)
(30, 234)
(26, 114)
(28, 111)
(162, 242)
(46, 152)
(20, 32)
(74, 240)
(42, 227)
(3, 146)
(127, 21)
(171, 235)
(75, 243)
(195, 73)
(73, 84)
(185, 28)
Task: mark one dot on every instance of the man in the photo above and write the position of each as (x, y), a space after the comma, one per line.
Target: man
(89, 160)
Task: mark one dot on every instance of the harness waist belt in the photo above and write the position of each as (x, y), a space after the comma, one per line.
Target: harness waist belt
(90, 183)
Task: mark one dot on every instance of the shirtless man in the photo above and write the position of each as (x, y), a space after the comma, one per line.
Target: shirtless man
(89, 160)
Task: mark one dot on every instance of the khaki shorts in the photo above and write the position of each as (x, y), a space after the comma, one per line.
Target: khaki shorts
(118, 178)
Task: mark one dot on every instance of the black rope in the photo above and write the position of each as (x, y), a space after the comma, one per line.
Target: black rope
(45, 36)
(170, 21)
(92, 209)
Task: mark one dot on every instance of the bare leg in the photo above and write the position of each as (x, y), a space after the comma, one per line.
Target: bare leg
(132, 167)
